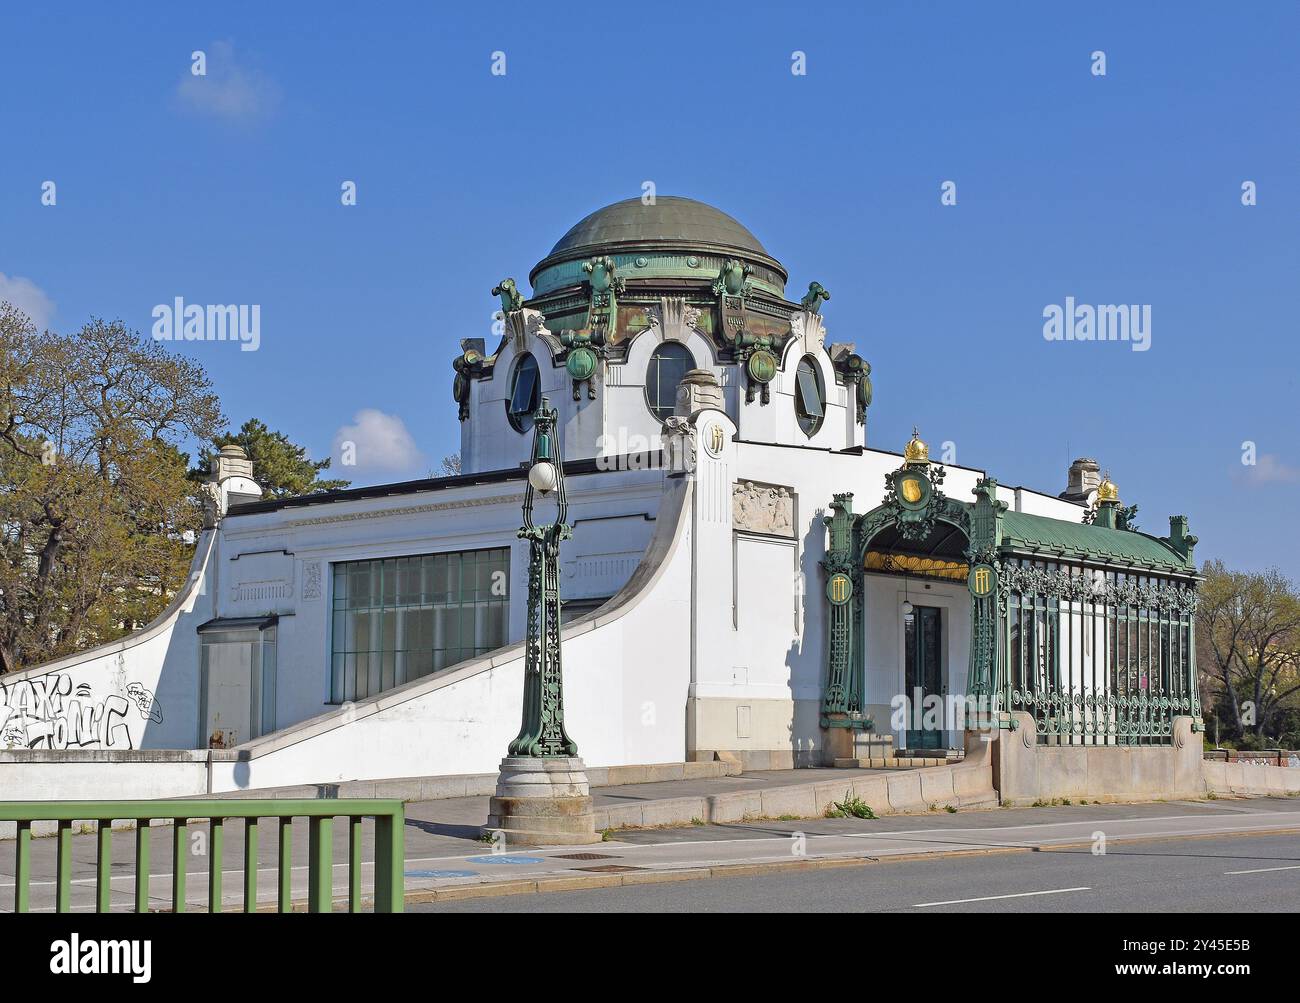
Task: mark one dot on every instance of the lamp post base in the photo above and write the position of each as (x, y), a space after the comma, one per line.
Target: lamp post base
(542, 802)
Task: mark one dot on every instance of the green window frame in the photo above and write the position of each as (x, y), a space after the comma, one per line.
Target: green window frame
(669, 363)
(396, 619)
(525, 393)
(809, 398)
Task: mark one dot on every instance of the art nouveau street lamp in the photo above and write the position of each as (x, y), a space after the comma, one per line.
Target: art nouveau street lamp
(542, 732)
(542, 797)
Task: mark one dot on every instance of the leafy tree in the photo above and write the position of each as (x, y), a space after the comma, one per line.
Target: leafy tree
(1248, 639)
(97, 515)
(282, 468)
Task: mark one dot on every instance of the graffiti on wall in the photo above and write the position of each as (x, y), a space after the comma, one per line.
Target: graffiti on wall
(51, 712)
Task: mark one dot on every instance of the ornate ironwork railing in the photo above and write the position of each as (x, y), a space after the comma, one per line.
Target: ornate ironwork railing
(1098, 657)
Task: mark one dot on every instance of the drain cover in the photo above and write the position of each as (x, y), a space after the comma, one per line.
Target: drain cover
(611, 868)
(586, 856)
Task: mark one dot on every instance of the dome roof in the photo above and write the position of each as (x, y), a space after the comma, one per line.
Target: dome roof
(673, 220)
(674, 238)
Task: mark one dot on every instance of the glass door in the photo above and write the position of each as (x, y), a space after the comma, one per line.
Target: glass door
(923, 643)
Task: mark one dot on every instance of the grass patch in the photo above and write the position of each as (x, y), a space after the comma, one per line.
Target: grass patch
(850, 807)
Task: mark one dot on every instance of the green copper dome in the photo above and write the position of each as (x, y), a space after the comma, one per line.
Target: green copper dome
(672, 237)
(674, 220)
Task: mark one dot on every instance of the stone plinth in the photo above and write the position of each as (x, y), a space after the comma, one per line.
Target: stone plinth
(542, 802)
(846, 737)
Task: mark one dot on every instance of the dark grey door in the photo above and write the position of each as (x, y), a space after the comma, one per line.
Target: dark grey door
(923, 638)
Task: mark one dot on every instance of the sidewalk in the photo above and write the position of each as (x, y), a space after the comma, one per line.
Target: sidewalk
(747, 849)
(448, 822)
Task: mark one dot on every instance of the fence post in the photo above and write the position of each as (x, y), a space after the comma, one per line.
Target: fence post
(23, 867)
(104, 866)
(63, 871)
(390, 860)
(320, 865)
(286, 864)
(250, 865)
(180, 854)
(142, 865)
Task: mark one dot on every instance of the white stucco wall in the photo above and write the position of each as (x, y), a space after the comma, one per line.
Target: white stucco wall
(612, 513)
(137, 693)
(619, 421)
(625, 684)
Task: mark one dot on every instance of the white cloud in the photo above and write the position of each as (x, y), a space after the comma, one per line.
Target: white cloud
(228, 90)
(27, 297)
(1270, 469)
(381, 446)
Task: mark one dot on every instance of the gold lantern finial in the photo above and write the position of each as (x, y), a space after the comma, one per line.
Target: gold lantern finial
(916, 451)
(1107, 490)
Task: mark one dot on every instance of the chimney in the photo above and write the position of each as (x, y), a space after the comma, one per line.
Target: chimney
(232, 461)
(230, 482)
(1083, 479)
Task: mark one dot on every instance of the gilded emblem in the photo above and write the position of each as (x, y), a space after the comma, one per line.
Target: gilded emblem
(714, 439)
(839, 589)
(982, 579)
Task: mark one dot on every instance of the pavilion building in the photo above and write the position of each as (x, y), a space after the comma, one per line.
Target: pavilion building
(748, 580)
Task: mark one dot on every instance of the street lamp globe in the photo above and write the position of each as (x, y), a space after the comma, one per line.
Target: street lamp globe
(543, 477)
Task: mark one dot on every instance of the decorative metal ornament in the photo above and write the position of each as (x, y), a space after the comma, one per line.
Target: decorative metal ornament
(542, 732)
(913, 490)
(469, 365)
(916, 452)
(839, 588)
(586, 347)
(714, 438)
(581, 364)
(982, 580)
(762, 366)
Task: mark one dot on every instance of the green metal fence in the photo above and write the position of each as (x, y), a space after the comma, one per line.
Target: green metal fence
(389, 861)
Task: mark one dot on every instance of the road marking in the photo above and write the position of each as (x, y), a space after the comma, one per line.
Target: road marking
(1261, 870)
(990, 898)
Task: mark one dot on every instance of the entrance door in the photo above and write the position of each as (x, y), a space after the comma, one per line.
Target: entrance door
(236, 686)
(923, 643)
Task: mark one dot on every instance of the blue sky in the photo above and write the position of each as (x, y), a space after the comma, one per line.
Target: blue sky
(1124, 188)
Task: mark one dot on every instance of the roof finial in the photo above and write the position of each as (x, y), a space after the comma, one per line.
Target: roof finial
(916, 452)
(1107, 490)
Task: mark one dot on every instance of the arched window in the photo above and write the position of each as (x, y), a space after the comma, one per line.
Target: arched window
(809, 398)
(668, 364)
(525, 393)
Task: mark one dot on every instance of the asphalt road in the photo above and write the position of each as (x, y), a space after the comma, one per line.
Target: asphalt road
(1257, 874)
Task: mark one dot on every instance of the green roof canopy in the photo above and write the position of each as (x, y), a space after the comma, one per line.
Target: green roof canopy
(1041, 535)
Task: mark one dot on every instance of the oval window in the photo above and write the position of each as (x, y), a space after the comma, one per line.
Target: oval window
(668, 364)
(809, 398)
(525, 393)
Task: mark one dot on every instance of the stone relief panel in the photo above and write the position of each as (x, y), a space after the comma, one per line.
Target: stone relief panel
(762, 508)
(261, 578)
(311, 580)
